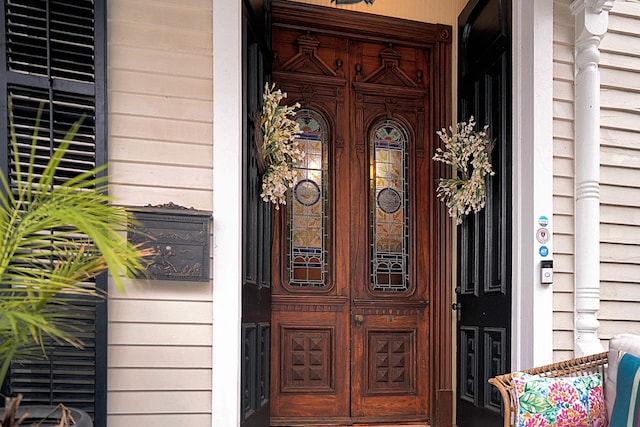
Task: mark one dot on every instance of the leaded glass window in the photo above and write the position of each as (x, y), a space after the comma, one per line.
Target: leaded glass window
(389, 207)
(308, 206)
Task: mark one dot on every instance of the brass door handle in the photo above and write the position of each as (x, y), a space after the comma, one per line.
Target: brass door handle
(359, 318)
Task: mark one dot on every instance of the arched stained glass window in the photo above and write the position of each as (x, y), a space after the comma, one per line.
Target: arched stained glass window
(389, 204)
(308, 206)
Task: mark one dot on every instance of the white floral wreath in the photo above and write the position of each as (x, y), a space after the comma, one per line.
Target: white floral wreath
(280, 148)
(469, 152)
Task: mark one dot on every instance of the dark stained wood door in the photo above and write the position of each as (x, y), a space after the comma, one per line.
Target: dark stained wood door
(484, 248)
(353, 248)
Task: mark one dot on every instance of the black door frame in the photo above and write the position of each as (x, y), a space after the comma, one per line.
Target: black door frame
(256, 224)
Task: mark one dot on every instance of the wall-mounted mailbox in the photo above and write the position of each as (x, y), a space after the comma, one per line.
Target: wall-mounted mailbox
(178, 239)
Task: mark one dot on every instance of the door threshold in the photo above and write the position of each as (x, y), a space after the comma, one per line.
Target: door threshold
(367, 425)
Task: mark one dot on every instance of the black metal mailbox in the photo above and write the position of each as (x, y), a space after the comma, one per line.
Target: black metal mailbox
(178, 238)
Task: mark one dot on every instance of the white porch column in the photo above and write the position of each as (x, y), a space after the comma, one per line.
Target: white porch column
(227, 212)
(532, 305)
(591, 20)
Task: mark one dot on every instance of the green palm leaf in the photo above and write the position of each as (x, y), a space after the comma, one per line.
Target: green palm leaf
(54, 240)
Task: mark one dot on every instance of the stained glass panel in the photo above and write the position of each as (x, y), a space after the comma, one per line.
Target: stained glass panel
(389, 208)
(308, 213)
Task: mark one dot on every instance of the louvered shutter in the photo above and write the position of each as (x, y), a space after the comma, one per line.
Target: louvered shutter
(49, 62)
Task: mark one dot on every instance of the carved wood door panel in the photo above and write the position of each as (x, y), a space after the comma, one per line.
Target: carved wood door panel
(389, 201)
(352, 286)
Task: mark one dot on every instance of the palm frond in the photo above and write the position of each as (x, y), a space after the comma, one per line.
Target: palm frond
(55, 238)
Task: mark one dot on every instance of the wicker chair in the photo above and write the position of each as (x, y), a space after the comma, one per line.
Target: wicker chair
(569, 368)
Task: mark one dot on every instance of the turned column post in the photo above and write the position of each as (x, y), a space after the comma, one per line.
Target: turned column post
(591, 21)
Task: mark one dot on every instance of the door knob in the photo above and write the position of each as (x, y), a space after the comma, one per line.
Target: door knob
(359, 318)
(458, 308)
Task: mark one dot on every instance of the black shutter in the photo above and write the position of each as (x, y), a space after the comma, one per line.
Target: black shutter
(51, 38)
(53, 60)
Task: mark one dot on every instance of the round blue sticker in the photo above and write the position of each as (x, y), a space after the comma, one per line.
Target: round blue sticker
(543, 221)
(544, 251)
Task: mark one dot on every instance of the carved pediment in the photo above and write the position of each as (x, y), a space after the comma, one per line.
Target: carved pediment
(307, 60)
(389, 72)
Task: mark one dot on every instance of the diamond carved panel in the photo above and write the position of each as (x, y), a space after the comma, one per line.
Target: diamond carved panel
(390, 362)
(307, 355)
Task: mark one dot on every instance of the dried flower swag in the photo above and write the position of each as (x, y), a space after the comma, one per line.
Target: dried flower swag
(469, 152)
(279, 146)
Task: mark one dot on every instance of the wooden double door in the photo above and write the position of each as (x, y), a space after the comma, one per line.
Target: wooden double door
(358, 247)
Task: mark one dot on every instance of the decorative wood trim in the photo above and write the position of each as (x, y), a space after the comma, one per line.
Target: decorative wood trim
(369, 27)
(393, 311)
(359, 137)
(340, 111)
(444, 33)
(394, 91)
(420, 128)
(307, 58)
(286, 421)
(444, 408)
(309, 80)
(441, 273)
(309, 303)
(395, 304)
(389, 59)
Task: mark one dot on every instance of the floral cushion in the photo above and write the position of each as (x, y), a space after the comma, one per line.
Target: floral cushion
(556, 402)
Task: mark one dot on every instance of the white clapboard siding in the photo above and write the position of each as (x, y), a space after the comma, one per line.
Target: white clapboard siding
(563, 172)
(160, 151)
(562, 205)
(563, 183)
(172, 86)
(620, 172)
(620, 291)
(155, 152)
(163, 379)
(161, 402)
(161, 420)
(159, 129)
(608, 328)
(137, 356)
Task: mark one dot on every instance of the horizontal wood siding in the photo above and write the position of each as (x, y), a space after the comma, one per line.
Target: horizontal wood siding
(620, 172)
(619, 175)
(160, 151)
(563, 181)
